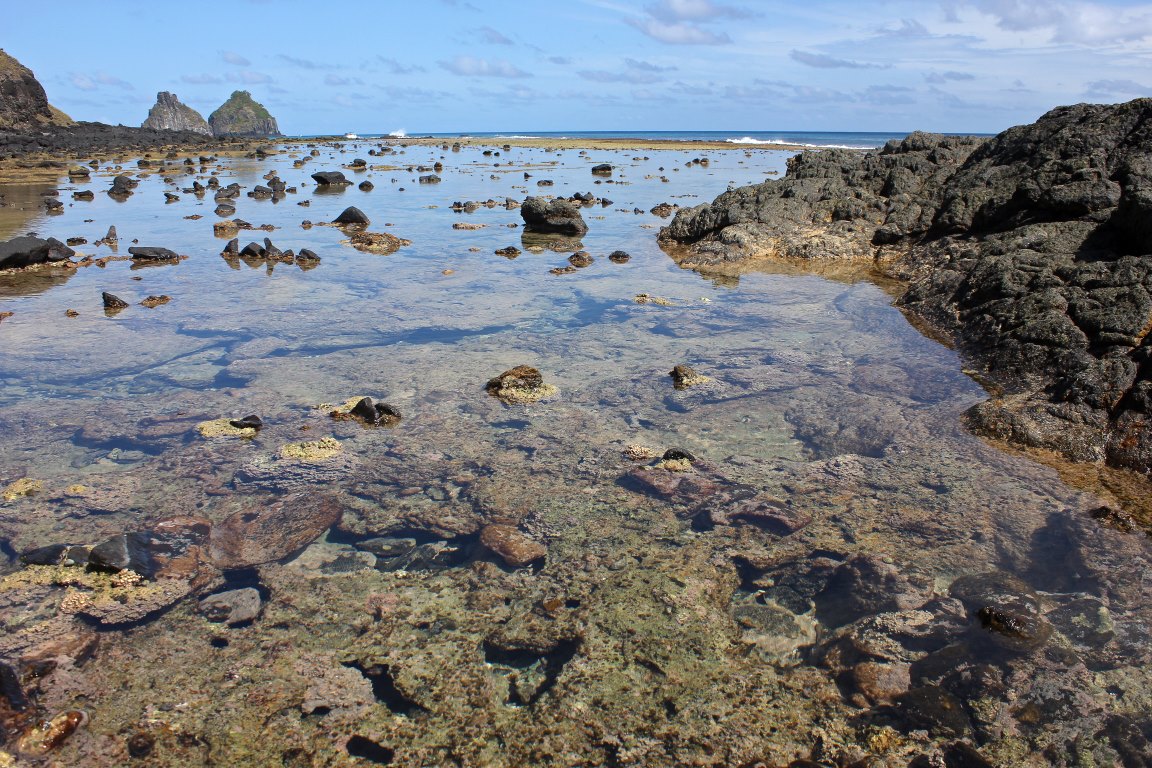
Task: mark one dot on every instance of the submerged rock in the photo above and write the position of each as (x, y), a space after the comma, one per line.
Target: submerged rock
(513, 547)
(236, 606)
(270, 529)
(520, 385)
(380, 243)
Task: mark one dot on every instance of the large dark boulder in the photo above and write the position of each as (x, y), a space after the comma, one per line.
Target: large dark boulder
(552, 217)
(1031, 250)
(25, 251)
(330, 178)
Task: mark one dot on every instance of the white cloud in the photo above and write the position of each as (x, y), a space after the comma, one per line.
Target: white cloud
(231, 57)
(396, 68)
(694, 10)
(824, 61)
(201, 79)
(96, 80)
(679, 33)
(1080, 23)
(493, 36)
(470, 66)
(248, 77)
(1120, 88)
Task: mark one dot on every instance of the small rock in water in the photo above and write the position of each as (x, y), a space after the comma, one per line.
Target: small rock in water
(154, 301)
(153, 253)
(375, 413)
(520, 385)
(684, 376)
(580, 259)
(236, 606)
(330, 178)
(618, 257)
(113, 302)
(352, 216)
(251, 421)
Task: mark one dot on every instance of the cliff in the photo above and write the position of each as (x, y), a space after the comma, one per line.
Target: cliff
(168, 114)
(241, 115)
(1031, 251)
(23, 103)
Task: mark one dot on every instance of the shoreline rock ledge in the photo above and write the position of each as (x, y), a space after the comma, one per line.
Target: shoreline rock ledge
(1031, 251)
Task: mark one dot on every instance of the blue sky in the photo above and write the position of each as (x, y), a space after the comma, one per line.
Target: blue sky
(497, 65)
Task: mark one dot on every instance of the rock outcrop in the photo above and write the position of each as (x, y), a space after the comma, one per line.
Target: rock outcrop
(1032, 251)
(552, 217)
(23, 103)
(168, 114)
(241, 115)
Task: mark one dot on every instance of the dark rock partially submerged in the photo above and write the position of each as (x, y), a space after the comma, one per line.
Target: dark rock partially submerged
(25, 251)
(1031, 250)
(552, 217)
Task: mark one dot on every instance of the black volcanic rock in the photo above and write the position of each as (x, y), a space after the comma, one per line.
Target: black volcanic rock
(25, 251)
(330, 179)
(1032, 251)
(168, 114)
(352, 215)
(241, 115)
(552, 216)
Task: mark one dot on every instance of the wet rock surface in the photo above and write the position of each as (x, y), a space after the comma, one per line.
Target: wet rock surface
(552, 217)
(1026, 249)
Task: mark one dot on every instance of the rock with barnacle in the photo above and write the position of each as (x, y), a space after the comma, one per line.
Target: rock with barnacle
(520, 385)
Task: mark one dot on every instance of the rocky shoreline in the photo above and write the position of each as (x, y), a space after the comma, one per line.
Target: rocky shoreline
(1030, 251)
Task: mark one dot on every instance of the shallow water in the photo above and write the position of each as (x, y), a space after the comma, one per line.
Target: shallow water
(658, 630)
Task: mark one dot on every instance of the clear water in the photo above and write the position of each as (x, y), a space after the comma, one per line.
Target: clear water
(645, 638)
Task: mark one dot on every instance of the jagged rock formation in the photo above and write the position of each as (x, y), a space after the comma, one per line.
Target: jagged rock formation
(168, 114)
(1032, 251)
(241, 115)
(23, 103)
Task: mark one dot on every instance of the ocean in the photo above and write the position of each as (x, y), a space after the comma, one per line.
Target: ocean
(844, 139)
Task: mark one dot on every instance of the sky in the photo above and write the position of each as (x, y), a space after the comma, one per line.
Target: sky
(433, 66)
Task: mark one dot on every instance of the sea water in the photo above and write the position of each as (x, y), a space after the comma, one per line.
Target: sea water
(797, 598)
